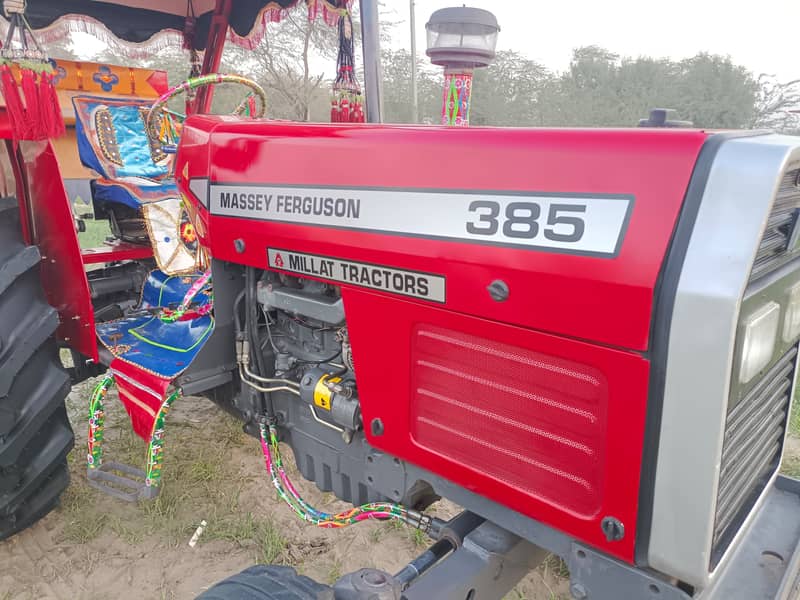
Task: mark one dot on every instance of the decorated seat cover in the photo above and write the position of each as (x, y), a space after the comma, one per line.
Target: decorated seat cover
(161, 348)
(112, 138)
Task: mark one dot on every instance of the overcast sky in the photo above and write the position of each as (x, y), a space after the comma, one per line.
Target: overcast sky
(763, 35)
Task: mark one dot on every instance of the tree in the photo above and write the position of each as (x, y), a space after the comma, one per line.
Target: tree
(777, 105)
(282, 63)
(600, 89)
(508, 93)
(397, 105)
(712, 92)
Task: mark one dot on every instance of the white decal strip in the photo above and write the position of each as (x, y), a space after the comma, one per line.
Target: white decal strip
(572, 224)
(376, 277)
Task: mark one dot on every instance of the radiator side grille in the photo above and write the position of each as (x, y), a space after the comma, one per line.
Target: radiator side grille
(534, 421)
(773, 250)
(754, 432)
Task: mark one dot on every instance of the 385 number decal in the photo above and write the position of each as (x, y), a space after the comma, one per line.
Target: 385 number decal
(559, 222)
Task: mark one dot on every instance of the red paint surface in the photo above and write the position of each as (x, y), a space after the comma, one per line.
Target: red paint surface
(592, 313)
(52, 227)
(117, 251)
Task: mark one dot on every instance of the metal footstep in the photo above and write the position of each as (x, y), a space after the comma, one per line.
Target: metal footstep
(130, 489)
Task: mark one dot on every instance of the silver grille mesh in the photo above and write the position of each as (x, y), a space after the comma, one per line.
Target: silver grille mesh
(751, 451)
(773, 250)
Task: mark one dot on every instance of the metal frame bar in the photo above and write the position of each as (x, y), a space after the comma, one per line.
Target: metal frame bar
(371, 47)
(213, 55)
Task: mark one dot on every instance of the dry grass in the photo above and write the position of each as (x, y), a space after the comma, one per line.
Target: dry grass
(198, 483)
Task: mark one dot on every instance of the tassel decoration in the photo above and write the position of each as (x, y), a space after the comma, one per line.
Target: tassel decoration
(39, 117)
(347, 104)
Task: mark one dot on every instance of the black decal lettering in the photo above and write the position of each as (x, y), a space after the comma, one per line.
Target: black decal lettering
(354, 208)
(521, 220)
(279, 205)
(340, 207)
(353, 273)
(487, 220)
(296, 201)
(317, 205)
(343, 270)
(294, 261)
(411, 284)
(225, 200)
(397, 281)
(307, 205)
(268, 202)
(376, 278)
(328, 212)
(555, 217)
(422, 286)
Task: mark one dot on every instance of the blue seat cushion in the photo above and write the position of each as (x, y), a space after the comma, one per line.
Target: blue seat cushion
(164, 349)
(131, 191)
(161, 348)
(162, 290)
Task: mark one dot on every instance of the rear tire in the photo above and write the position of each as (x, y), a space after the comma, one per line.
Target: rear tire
(268, 582)
(35, 434)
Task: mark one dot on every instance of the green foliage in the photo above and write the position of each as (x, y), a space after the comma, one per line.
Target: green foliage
(600, 88)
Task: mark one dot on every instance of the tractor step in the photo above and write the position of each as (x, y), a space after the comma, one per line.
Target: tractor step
(130, 489)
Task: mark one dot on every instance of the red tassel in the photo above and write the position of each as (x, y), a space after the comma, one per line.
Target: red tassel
(52, 119)
(33, 111)
(334, 111)
(345, 107)
(16, 111)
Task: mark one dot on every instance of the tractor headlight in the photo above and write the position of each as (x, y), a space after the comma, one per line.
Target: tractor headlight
(791, 322)
(760, 332)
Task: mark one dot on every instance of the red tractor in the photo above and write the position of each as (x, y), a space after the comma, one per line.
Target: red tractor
(586, 338)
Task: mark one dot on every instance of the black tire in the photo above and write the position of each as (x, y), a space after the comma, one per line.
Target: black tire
(268, 582)
(35, 434)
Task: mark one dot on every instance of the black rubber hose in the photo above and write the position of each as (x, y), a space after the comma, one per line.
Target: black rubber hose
(251, 309)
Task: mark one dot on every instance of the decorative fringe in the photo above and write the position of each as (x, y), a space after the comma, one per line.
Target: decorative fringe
(73, 23)
(62, 28)
(39, 117)
(14, 106)
(32, 109)
(274, 13)
(52, 119)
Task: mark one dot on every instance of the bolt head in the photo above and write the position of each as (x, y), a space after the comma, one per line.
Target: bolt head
(578, 591)
(498, 290)
(373, 577)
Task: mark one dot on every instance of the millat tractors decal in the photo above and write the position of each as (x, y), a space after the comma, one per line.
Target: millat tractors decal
(388, 279)
(587, 224)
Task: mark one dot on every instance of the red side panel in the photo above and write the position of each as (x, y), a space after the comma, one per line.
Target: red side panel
(537, 402)
(547, 426)
(53, 229)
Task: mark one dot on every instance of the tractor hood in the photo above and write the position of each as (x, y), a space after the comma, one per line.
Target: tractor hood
(560, 231)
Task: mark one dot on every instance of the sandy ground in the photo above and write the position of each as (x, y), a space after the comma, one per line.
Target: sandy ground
(95, 546)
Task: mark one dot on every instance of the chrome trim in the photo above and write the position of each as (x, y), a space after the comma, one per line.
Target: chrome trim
(738, 197)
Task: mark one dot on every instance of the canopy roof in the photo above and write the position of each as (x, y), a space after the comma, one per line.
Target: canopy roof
(152, 24)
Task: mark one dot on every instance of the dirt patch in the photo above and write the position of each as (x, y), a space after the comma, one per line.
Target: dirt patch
(95, 546)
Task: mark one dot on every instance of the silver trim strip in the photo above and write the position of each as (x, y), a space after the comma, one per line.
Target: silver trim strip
(738, 197)
(199, 187)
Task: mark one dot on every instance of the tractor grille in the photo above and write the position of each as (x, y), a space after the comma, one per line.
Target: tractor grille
(774, 251)
(751, 451)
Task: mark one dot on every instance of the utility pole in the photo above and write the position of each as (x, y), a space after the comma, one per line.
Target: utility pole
(414, 101)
